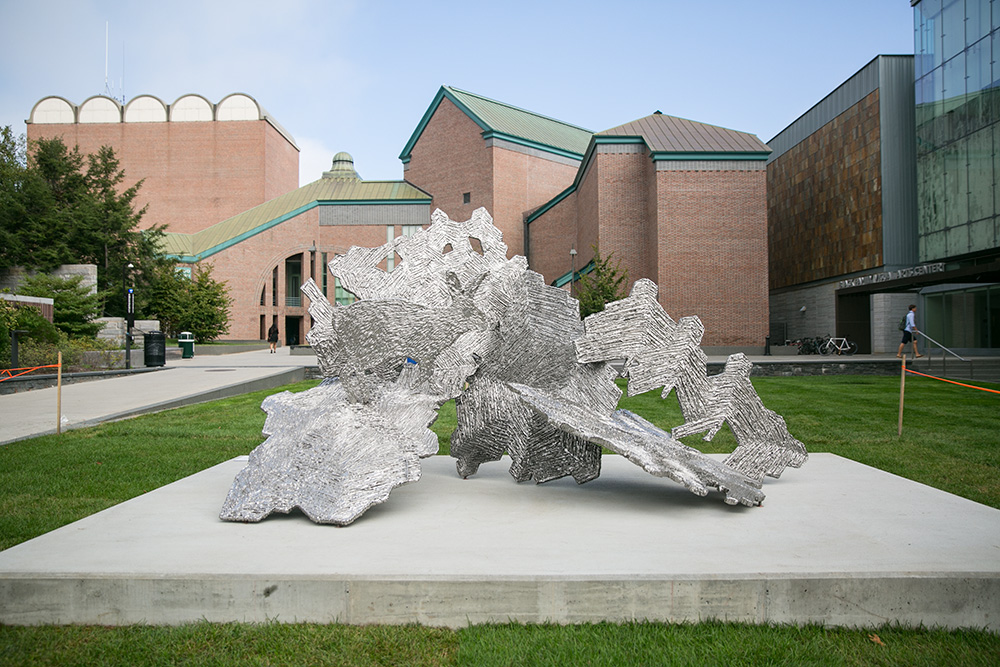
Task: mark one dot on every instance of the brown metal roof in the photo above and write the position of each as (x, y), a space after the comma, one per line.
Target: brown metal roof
(670, 134)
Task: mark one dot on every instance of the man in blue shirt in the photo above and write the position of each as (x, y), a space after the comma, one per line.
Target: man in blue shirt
(910, 332)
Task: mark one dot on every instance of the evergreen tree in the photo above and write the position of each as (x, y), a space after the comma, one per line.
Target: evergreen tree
(59, 207)
(74, 307)
(198, 304)
(605, 283)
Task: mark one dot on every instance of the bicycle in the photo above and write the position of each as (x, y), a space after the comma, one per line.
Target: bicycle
(838, 345)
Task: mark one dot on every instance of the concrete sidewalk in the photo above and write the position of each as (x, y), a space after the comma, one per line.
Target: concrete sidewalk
(182, 382)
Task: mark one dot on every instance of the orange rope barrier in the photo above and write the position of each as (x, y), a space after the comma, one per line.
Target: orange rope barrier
(970, 386)
(8, 373)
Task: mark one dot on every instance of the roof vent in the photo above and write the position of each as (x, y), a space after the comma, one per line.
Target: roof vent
(342, 167)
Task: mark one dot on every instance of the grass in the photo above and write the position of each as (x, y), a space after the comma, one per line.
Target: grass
(712, 643)
(949, 441)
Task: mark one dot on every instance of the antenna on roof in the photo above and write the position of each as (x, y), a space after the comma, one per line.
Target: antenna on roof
(107, 90)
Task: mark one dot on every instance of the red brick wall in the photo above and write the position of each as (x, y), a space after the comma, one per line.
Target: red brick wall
(247, 267)
(521, 183)
(551, 237)
(196, 173)
(449, 159)
(713, 252)
(622, 181)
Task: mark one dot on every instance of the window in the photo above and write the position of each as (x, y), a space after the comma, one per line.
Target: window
(466, 197)
(326, 274)
(342, 297)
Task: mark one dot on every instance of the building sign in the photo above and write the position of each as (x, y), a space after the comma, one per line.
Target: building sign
(875, 278)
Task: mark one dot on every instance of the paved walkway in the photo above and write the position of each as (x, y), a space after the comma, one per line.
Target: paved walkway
(181, 382)
(209, 377)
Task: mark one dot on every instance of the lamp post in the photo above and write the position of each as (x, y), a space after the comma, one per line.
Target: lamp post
(572, 271)
(129, 294)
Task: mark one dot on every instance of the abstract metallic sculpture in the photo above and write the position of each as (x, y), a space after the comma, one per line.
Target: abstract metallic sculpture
(457, 319)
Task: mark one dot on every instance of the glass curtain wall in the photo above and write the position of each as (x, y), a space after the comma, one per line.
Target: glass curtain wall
(965, 318)
(956, 44)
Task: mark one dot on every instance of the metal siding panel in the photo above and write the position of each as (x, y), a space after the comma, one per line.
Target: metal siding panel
(374, 214)
(844, 97)
(899, 171)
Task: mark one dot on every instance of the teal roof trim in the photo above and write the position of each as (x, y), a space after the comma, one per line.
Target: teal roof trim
(569, 275)
(205, 254)
(551, 203)
(492, 134)
(488, 131)
(663, 157)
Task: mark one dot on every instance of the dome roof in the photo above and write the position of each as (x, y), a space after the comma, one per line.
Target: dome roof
(342, 167)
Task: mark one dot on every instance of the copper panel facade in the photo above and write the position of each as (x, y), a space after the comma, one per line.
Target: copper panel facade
(825, 200)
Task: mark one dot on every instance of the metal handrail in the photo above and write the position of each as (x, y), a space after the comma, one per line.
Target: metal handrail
(944, 359)
(952, 353)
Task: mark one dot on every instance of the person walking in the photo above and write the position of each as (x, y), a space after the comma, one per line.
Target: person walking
(272, 337)
(910, 332)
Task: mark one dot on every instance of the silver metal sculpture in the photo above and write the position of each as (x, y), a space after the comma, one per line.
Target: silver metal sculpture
(458, 319)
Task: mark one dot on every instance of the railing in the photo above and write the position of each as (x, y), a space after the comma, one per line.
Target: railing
(944, 356)
(293, 301)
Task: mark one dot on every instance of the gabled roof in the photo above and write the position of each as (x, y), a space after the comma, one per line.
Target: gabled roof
(666, 135)
(669, 138)
(324, 192)
(503, 121)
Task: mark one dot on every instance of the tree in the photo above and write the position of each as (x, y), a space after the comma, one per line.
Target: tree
(60, 207)
(605, 283)
(199, 304)
(74, 307)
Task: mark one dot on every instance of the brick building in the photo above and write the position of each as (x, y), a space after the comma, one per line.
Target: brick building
(679, 202)
(676, 201)
(201, 162)
(265, 254)
(469, 151)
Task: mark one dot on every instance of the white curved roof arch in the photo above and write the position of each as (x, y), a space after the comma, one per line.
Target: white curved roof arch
(53, 109)
(191, 108)
(100, 109)
(238, 106)
(145, 109)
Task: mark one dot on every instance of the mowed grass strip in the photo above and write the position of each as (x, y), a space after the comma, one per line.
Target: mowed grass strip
(634, 643)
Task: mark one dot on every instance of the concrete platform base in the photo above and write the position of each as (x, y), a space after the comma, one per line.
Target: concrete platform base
(835, 542)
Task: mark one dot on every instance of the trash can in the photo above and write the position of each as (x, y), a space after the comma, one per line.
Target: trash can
(154, 348)
(186, 342)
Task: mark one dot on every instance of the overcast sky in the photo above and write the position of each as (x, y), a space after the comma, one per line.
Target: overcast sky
(357, 76)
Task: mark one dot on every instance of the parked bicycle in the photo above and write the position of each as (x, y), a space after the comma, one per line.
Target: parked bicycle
(839, 345)
(808, 345)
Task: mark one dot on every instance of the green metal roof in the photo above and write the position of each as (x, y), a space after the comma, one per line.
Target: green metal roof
(503, 121)
(324, 192)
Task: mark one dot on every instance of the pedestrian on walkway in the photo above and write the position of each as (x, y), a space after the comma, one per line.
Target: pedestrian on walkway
(272, 337)
(910, 332)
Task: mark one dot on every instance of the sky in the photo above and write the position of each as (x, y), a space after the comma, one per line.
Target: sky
(357, 76)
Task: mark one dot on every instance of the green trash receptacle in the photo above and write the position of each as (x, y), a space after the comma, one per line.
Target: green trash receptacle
(186, 342)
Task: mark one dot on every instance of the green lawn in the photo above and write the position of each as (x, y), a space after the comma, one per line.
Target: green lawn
(949, 441)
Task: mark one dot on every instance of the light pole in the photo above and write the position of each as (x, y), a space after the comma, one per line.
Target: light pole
(129, 294)
(572, 271)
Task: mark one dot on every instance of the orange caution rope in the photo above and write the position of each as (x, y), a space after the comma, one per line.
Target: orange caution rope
(970, 386)
(8, 373)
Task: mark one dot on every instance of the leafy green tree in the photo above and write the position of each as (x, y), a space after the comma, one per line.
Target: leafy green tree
(74, 307)
(199, 304)
(60, 207)
(605, 283)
